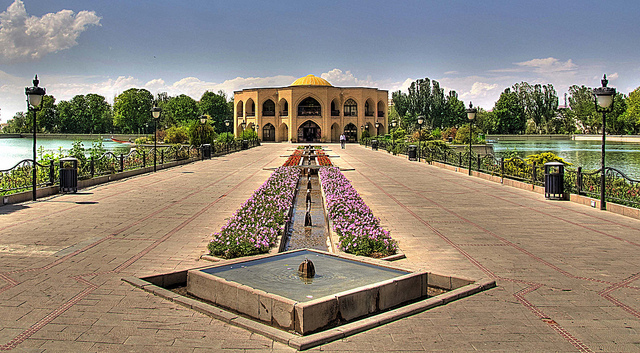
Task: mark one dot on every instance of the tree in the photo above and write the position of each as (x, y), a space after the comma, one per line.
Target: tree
(455, 111)
(180, 110)
(509, 113)
(583, 108)
(633, 110)
(132, 110)
(617, 121)
(47, 116)
(90, 114)
(216, 106)
(98, 113)
(18, 124)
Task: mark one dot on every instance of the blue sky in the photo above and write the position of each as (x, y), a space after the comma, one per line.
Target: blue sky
(475, 48)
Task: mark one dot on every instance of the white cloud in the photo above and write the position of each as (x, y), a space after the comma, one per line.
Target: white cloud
(24, 37)
(548, 65)
(482, 89)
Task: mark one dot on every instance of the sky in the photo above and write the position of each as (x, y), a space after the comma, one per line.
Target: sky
(477, 48)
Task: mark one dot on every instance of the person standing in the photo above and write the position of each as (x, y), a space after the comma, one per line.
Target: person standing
(343, 140)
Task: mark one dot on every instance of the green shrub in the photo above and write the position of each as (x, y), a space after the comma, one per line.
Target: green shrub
(176, 134)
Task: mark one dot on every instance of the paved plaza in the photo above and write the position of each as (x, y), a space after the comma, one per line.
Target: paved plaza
(567, 275)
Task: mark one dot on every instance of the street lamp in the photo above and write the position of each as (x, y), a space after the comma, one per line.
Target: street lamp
(155, 112)
(420, 122)
(471, 114)
(361, 131)
(203, 120)
(604, 103)
(393, 136)
(377, 127)
(34, 99)
(226, 123)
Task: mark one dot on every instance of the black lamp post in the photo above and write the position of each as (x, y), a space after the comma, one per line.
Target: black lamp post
(155, 112)
(604, 103)
(420, 122)
(226, 123)
(377, 129)
(34, 99)
(393, 135)
(361, 131)
(471, 114)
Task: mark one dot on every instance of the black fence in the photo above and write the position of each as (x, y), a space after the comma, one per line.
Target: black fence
(20, 177)
(619, 188)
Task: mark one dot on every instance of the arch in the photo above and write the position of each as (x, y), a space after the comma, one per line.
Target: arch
(251, 107)
(335, 107)
(351, 132)
(369, 107)
(284, 107)
(240, 109)
(335, 132)
(268, 132)
(268, 108)
(380, 109)
(309, 107)
(350, 108)
(309, 131)
(283, 132)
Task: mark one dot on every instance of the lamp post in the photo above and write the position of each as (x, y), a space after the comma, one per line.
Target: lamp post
(471, 114)
(34, 99)
(377, 128)
(203, 120)
(361, 131)
(155, 112)
(420, 122)
(226, 123)
(604, 103)
(393, 136)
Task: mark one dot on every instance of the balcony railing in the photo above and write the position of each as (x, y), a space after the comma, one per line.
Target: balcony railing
(368, 113)
(350, 113)
(269, 113)
(309, 111)
(380, 113)
(251, 114)
(335, 113)
(284, 113)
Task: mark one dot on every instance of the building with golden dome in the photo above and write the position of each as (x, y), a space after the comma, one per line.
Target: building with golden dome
(311, 110)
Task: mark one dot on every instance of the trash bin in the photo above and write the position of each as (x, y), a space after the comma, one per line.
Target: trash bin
(412, 151)
(68, 174)
(206, 151)
(450, 139)
(374, 145)
(245, 144)
(554, 180)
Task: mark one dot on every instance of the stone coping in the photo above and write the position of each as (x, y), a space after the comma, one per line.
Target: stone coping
(458, 289)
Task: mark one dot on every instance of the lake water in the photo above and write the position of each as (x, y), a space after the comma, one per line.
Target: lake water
(13, 150)
(623, 156)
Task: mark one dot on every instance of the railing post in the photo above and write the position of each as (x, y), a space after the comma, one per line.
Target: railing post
(144, 159)
(579, 180)
(478, 161)
(92, 167)
(161, 157)
(121, 163)
(459, 159)
(533, 174)
(502, 169)
(51, 173)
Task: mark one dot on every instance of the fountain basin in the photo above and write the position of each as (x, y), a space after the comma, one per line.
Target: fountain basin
(269, 289)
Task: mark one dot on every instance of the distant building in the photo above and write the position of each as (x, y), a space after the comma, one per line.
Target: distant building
(311, 110)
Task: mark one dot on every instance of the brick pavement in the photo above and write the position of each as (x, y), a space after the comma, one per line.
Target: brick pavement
(567, 274)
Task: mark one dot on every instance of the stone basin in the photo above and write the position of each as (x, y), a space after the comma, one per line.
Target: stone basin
(269, 289)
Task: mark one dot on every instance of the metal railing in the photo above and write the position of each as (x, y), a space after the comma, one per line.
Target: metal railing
(620, 188)
(19, 177)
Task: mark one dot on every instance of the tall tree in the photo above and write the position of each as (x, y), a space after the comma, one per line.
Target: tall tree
(181, 110)
(216, 106)
(455, 111)
(47, 116)
(509, 113)
(583, 109)
(633, 110)
(132, 110)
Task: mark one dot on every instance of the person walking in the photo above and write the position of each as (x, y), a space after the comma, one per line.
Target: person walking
(343, 140)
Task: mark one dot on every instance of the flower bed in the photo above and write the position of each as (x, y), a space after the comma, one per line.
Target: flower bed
(294, 159)
(323, 160)
(359, 230)
(255, 226)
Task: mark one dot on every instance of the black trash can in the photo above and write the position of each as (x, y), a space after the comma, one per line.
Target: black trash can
(412, 151)
(554, 181)
(206, 151)
(374, 145)
(68, 174)
(245, 144)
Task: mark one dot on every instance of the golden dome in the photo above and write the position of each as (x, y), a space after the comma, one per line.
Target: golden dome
(310, 80)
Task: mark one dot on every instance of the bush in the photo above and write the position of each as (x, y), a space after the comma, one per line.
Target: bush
(176, 134)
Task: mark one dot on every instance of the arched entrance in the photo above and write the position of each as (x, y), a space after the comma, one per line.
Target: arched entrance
(351, 133)
(283, 132)
(335, 132)
(268, 133)
(309, 132)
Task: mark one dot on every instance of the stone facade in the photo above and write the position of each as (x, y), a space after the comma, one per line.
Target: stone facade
(311, 110)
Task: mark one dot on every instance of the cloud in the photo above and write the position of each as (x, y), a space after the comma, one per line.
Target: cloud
(24, 37)
(346, 79)
(548, 65)
(482, 89)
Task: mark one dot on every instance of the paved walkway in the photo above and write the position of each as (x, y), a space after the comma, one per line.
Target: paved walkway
(567, 274)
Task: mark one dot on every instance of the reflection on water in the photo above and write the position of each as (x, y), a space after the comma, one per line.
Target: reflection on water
(13, 150)
(620, 155)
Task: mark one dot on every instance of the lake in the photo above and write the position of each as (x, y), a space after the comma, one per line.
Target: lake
(13, 150)
(623, 156)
